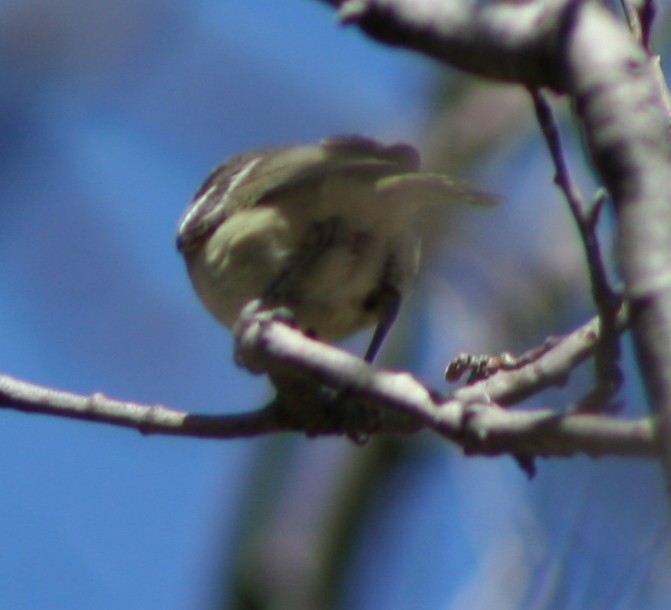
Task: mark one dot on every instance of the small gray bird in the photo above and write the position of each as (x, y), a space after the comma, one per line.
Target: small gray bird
(324, 230)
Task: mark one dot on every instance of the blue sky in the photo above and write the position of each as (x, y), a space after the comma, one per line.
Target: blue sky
(110, 116)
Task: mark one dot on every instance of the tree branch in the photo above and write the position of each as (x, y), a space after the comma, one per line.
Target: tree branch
(469, 417)
(551, 368)
(574, 47)
(627, 129)
(607, 356)
(147, 419)
(500, 40)
(583, 50)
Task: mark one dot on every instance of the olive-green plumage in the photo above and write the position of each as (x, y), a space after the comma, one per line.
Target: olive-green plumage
(325, 230)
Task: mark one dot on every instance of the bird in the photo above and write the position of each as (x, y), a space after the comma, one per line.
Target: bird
(326, 231)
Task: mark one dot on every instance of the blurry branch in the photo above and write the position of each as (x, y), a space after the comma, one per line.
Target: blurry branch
(607, 356)
(471, 417)
(585, 51)
(640, 16)
(500, 40)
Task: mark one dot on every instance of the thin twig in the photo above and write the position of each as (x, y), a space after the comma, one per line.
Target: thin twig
(609, 375)
(551, 367)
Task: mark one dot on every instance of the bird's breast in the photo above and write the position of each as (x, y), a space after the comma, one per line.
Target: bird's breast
(324, 271)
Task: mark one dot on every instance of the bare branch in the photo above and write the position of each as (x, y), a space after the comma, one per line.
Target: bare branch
(550, 368)
(485, 430)
(609, 375)
(148, 419)
(583, 50)
(500, 40)
(468, 418)
(584, 218)
(618, 101)
(578, 48)
(640, 15)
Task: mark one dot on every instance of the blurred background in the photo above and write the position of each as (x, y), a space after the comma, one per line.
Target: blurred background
(111, 114)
